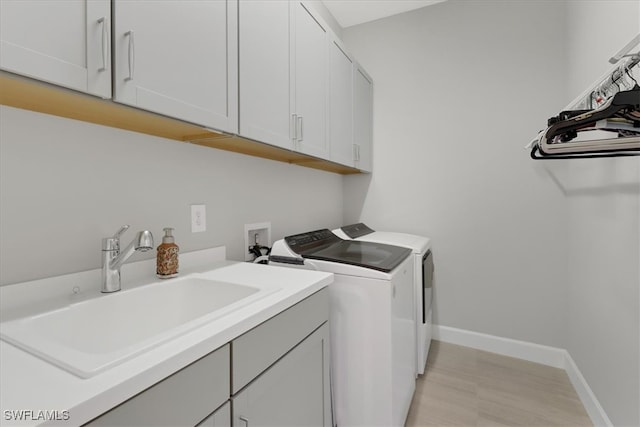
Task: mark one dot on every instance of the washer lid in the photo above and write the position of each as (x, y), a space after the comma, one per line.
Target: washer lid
(418, 244)
(377, 256)
(326, 246)
(356, 230)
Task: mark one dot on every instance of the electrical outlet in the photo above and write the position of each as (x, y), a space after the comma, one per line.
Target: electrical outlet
(198, 218)
(259, 233)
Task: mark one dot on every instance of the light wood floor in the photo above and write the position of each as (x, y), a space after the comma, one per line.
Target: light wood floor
(466, 387)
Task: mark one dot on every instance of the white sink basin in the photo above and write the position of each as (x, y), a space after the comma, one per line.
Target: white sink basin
(91, 336)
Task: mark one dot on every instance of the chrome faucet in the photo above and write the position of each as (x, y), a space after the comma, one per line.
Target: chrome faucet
(112, 258)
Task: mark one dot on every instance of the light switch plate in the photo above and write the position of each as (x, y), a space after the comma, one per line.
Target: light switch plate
(198, 218)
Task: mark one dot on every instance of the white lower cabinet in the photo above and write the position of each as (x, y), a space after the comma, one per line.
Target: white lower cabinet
(220, 418)
(275, 374)
(293, 392)
(182, 399)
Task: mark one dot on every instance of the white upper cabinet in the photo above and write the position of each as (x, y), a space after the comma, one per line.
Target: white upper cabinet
(310, 88)
(340, 105)
(65, 42)
(363, 119)
(267, 70)
(283, 76)
(178, 58)
(264, 58)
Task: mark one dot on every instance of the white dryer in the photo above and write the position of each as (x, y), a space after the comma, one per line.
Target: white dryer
(371, 323)
(423, 278)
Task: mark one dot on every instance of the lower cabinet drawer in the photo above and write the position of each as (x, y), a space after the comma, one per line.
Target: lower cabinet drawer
(263, 345)
(182, 399)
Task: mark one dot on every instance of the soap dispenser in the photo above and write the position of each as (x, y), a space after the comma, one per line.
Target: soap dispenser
(167, 263)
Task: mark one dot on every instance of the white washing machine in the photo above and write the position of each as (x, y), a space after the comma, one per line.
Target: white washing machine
(423, 278)
(371, 323)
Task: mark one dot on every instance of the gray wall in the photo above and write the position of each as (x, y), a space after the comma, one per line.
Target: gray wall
(546, 252)
(603, 199)
(460, 88)
(66, 184)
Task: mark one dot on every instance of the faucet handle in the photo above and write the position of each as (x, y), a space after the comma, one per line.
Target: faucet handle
(113, 243)
(121, 231)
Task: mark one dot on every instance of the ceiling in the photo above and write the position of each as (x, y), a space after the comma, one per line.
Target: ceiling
(354, 12)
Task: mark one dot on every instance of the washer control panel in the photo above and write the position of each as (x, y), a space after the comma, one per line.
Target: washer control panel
(305, 242)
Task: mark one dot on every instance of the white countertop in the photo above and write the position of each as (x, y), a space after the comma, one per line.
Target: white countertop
(28, 383)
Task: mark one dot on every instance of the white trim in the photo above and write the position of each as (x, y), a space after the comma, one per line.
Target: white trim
(594, 409)
(550, 356)
(545, 355)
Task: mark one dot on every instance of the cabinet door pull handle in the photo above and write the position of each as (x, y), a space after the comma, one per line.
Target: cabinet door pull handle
(132, 54)
(301, 123)
(105, 47)
(246, 420)
(294, 127)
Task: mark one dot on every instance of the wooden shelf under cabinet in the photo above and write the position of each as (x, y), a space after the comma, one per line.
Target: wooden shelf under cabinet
(27, 94)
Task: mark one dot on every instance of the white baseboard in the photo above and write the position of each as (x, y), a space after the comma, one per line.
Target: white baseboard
(545, 355)
(550, 356)
(594, 409)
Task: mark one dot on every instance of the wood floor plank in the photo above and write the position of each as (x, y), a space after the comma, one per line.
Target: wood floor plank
(467, 387)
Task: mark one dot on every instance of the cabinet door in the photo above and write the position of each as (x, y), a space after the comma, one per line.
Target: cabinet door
(178, 59)
(264, 63)
(363, 119)
(65, 42)
(310, 82)
(220, 418)
(340, 105)
(293, 392)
